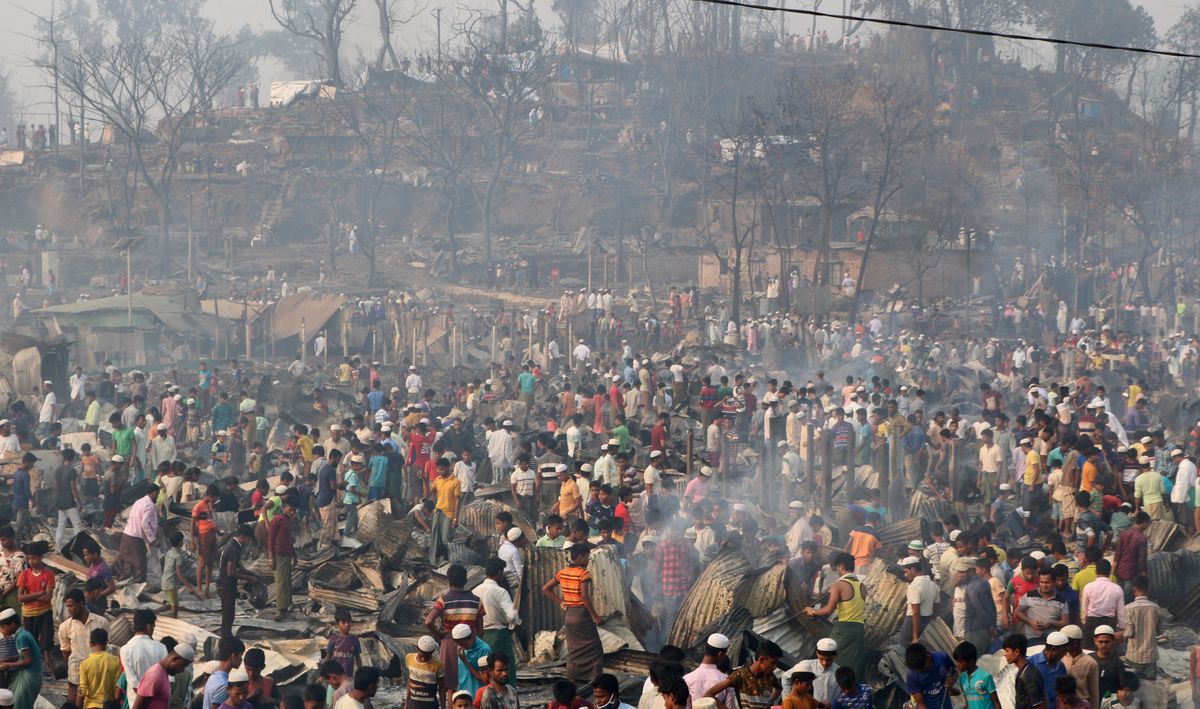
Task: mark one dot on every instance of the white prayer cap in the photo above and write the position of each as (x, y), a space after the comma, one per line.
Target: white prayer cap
(718, 641)
(827, 645)
(426, 643)
(462, 631)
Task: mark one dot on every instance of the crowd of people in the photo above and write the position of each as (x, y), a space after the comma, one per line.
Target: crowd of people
(1050, 483)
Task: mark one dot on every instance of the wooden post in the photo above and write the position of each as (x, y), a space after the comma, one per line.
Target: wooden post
(345, 335)
(589, 278)
(425, 340)
(493, 345)
(811, 463)
(383, 343)
(827, 475)
(690, 449)
(454, 344)
(246, 319)
(216, 326)
(885, 471)
(271, 331)
(303, 339)
(529, 334)
(325, 363)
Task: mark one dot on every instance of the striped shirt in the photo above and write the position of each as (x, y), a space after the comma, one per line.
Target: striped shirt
(459, 606)
(571, 580)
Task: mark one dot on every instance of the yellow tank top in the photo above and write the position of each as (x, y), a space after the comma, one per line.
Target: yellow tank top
(855, 609)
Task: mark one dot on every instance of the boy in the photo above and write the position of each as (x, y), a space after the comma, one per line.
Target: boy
(172, 578)
(606, 537)
(852, 695)
(801, 695)
(425, 676)
(378, 464)
(1064, 690)
(35, 588)
(553, 537)
(235, 696)
(204, 537)
(336, 681)
(974, 684)
(1029, 689)
(98, 673)
(927, 674)
(1124, 698)
(353, 496)
(461, 700)
(344, 648)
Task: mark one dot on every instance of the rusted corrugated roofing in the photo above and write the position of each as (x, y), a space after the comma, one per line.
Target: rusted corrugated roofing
(1163, 536)
(710, 598)
(479, 518)
(609, 588)
(901, 532)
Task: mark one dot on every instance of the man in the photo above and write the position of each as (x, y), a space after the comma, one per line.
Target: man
(707, 674)
(446, 490)
(848, 598)
(755, 684)
(12, 563)
(926, 680)
(1148, 491)
(676, 566)
(141, 530)
(1143, 623)
(1042, 612)
(229, 658)
(1102, 601)
(326, 498)
(229, 571)
(10, 444)
(470, 649)
(66, 499)
(800, 531)
(1030, 692)
(1081, 666)
(977, 624)
(1048, 664)
(366, 684)
(991, 461)
(78, 387)
(48, 413)
(824, 669)
(500, 617)
(74, 638)
(154, 691)
(281, 552)
(162, 448)
(1129, 559)
(1107, 659)
(142, 651)
(497, 694)
(1185, 481)
(525, 485)
(570, 503)
(921, 600)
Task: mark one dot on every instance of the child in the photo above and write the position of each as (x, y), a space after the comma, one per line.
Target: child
(462, 699)
(801, 696)
(98, 673)
(236, 691)
(314, 697)
(974, 684)
(261, 690)
(344, 648)
(553, 536)
(89, 472)
(254, 463)
(425, 675)
(928, 675)
(353, 495)
(35, 588)
(606, 537)
(852, 695)
(1128, 683)
(1064, 690)
(565, 696)
(172, 578)
(378, 465)
(485, 676)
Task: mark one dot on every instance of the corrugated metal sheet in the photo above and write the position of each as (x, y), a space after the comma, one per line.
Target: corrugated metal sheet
(885, 603)
(1164, 570)
(927, 507)
(609, 588)
(763, 592)
(1163, 536)
(353, 584)
(27, 371)
(479, 518)
(390, 537)
(936, 635)
(710, 598)
(315, 309)
(781, 627)
(901, 532)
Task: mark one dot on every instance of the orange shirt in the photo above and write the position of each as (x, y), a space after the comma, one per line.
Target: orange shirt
(202, 515)
(863, 545)
(570, 580)
(1087, 478)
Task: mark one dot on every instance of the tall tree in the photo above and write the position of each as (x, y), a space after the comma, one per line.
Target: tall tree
(321, 22)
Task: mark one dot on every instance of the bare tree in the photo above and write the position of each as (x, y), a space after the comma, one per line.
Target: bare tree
(390, 14)
(149, 89)
(321, 22)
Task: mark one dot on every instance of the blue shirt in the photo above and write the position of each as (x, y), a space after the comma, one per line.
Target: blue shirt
(1049, 674)
(326, 485)
(375, 400)
(526, 381)
(26, 641)
(20, 489)
(379, 467)
(466, 680)
(216, 689)
(931, 683)
(977, 687)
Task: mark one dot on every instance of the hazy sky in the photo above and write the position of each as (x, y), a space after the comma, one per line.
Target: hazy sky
(15, 48)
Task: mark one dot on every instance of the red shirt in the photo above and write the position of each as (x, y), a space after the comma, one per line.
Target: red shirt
(658, 438)
(155, 684)
(622, 512)
(615, 398)
(420, 444)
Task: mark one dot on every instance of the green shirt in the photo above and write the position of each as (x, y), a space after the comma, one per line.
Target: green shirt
(352, 483)
(1148, 487)
(92, 418)
(123, 442)
(556, 543)
(621, 433)
(526, 381)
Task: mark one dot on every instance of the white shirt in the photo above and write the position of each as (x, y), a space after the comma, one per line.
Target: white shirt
(138, 655)
(799, 533)
(48, 413)
(511, 556)
(9, 444)
(499, 443)
(1185, 479)
(582, 352)
(349, 702)
(465, 472)
(498, 609)
(77, 384)
(573, 438)
(413, 383)
(605, 470)
(923, 592)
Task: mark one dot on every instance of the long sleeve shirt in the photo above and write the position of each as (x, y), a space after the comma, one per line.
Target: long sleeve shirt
(280, 537)
(1129, 560)
(1103, 599)
(498, 610)
(981, 608)
(143, 520)
(1143, 621)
